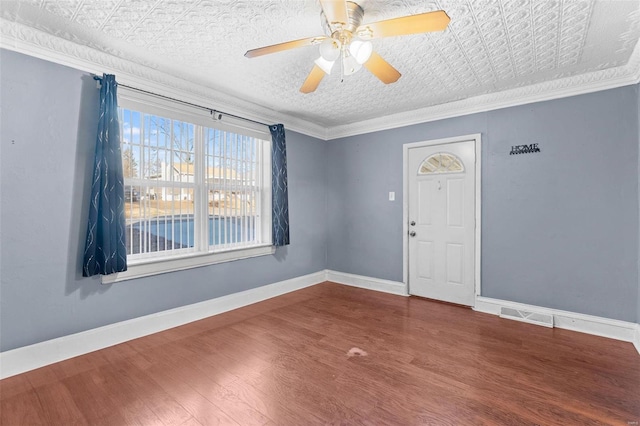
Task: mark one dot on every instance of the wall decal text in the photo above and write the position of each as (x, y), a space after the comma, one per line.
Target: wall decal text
(524, 149)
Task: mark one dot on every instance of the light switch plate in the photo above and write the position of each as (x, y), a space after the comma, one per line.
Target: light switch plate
(392, 196)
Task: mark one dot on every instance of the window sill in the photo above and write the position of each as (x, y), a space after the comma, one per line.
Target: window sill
(149, 267)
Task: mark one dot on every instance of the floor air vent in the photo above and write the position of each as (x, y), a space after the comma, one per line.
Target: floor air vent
(545, 320)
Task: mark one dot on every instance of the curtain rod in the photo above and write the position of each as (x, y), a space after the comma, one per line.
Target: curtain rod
(211, 110)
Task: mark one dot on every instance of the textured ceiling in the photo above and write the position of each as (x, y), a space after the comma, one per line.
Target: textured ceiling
(490, 46)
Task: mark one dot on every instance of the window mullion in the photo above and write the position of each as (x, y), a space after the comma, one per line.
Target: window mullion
(225, 173)
(201, 217)
(243, 197)
(254, 199)
(218, 181)
(235, 192)
(258, 183)
(143, 230)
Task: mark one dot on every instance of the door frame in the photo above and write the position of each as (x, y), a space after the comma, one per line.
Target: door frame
(477, 138)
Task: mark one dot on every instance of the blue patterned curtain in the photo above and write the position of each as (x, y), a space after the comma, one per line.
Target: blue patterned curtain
(279, 187)
(105, 250)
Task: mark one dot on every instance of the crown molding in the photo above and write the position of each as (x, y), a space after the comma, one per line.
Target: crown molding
(33, 42)
(30, 41)
(561, 88)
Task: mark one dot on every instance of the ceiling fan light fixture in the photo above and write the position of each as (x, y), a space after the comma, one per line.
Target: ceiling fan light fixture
(324, 65)
(361, 50)
(330, 49)
(350, 65)
(347, 41)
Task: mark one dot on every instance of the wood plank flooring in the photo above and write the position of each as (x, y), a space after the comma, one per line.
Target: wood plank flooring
(284, 362)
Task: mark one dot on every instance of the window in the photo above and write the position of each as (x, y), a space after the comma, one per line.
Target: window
(197, 191)
(441, 162)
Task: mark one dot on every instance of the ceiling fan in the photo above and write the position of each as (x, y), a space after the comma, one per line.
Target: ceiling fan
(348, 41)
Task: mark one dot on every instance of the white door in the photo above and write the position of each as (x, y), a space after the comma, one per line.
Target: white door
(441, 181)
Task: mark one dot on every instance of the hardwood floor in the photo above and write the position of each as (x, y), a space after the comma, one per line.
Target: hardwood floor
(284, 362)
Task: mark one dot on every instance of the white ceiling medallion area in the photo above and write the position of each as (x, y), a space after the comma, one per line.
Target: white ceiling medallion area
(493, 54)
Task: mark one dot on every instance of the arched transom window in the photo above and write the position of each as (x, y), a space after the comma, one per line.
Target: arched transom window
(441, 162)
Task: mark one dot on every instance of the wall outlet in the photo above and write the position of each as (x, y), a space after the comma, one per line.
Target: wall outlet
(392, 196)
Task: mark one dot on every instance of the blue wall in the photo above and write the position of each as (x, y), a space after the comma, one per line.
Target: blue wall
(559, 228)
(48, 127)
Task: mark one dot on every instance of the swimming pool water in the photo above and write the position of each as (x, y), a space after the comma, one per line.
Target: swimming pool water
(180, 231)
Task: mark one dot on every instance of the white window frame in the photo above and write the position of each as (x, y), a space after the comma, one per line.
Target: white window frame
(145, 265)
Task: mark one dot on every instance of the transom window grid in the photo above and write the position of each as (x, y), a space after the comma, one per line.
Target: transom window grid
(191, 188)
(441, 162)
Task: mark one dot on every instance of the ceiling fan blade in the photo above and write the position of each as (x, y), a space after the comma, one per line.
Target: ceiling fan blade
(382, 69)
(335, 11)
(284, 46)
(313, 80)
(414, 24)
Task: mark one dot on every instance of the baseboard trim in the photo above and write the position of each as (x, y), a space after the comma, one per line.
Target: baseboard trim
(38, 355)
(377, 284)
(590, 324)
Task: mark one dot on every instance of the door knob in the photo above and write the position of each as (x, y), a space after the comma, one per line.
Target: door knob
(413, 223)
(412, 233)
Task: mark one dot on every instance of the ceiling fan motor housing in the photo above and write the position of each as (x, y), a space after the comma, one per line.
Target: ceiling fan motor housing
(343, 31)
